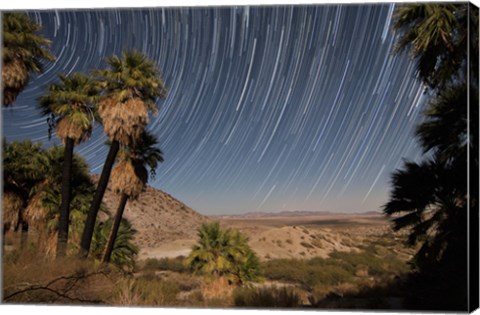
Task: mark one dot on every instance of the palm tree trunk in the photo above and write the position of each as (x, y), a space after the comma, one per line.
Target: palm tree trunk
(97, 200)
(113, 232)
(63, 222)
(24, 235)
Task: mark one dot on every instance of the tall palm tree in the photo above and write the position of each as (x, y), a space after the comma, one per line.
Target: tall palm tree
(129, 178)
(23, 53)
(436, 35)
(71, 103)
(131, 85)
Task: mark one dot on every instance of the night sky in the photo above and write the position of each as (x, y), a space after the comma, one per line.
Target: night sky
(269, 108)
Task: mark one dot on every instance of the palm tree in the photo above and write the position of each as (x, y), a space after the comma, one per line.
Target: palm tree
(131, 86)
(70, 102)
(23, 53)
(32, 191)
(42, 210)
(129, 178)
(24, 167)
(437, 36)
(224, 253)
(429, 198)
(124, 251)
(430, 201)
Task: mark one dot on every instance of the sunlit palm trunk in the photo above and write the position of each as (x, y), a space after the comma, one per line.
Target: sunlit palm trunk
(97, 200)
(66, 197)
(113, 232)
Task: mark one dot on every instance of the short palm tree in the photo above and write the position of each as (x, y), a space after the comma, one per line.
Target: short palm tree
(129, 178)
(42, 211)
(23, 53)
(224, 253)
(32, 191)
(24, 167)
(124, 250)
(131, 85)
(71, 103)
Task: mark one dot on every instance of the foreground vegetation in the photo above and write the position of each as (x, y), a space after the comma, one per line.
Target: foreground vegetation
(182, 281)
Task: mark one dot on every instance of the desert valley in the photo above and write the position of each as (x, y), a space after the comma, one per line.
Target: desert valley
(315, 257)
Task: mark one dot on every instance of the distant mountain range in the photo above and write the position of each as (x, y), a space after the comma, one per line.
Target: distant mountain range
(300, 213)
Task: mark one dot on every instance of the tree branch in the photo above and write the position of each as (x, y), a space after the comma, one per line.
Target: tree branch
(72, 282)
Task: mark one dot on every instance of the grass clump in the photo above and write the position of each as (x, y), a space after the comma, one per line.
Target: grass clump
(145, 291)
(272, 297)
(307, 272)
(171, 264)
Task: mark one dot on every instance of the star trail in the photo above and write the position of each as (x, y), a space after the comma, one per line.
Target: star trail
(270, 108)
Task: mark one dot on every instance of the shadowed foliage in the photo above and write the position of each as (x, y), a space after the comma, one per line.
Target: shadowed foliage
(436, 35)
(23, 52)
(432, 198)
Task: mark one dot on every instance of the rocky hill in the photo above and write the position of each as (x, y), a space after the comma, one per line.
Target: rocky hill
(158, 217)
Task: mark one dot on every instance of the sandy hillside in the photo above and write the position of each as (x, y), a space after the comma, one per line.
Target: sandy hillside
(168, 228)
(314, 236)
(162, 222)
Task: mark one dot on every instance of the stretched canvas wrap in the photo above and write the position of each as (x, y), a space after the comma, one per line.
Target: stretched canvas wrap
(301, 157)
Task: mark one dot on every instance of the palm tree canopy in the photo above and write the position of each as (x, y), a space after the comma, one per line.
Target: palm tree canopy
(224, 253)
(124, 251)
(445, 129)
(20, 40)
(131, 85)
(71, 102)
(48, 194)
(428, 199)
(130, 175)
(133, 76)
(23, 52)
(436, 35)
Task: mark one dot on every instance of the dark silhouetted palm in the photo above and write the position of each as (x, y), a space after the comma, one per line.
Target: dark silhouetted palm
(436, 36)
(42, 212)
(131, 85)
(23, 53)
(24, 167)
(71, 103)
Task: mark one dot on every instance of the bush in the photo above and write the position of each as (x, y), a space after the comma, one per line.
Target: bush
(145, 291)
(308, 272)
(172, 264)
(224, 253)
(266, 297)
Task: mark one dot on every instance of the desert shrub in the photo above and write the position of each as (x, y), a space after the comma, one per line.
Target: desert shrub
(266, 297)
(31, 278)
(172, 264)
(145, 291)
(306, 245)
(309, 272)
(376, 265)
